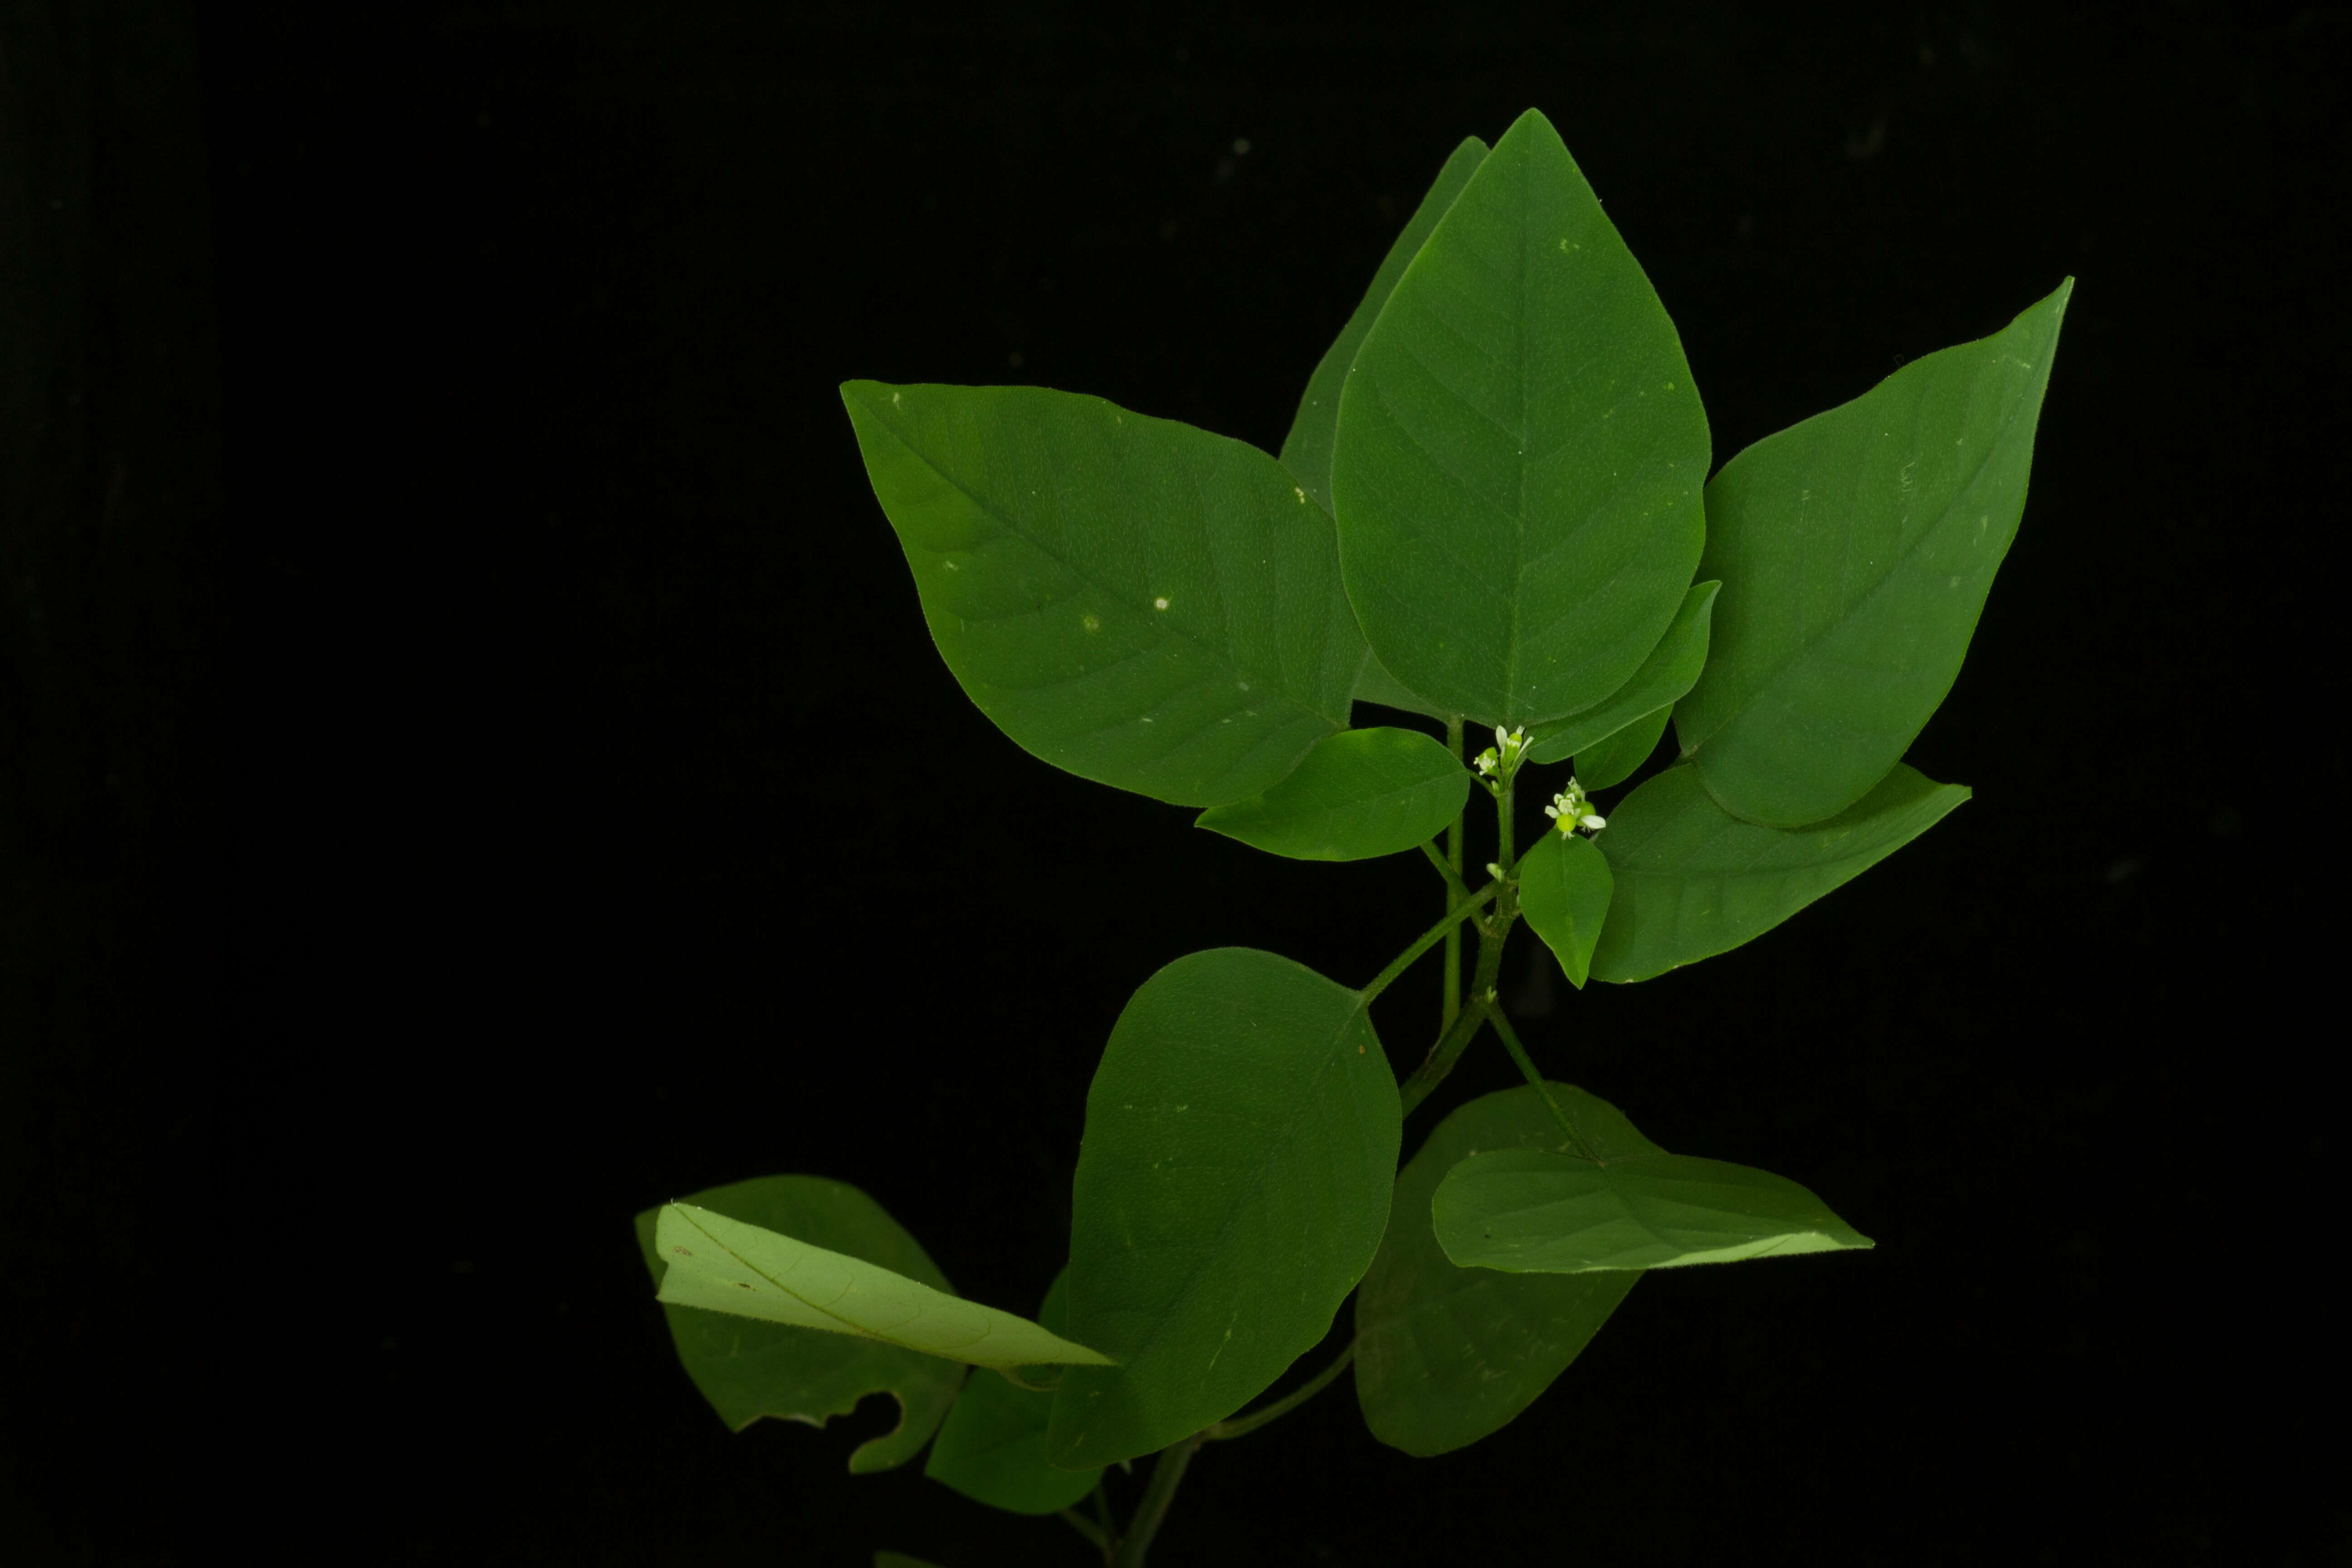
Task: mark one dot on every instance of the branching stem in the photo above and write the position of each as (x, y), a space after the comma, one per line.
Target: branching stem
(1403, 961)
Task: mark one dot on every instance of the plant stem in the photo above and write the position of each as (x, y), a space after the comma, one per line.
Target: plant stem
(1453, 881)
(1451, 997)
(1237, 1425)
(1454, 916)
(1492, 933)
(1166, 1473)
(1527, 1065)
(1089, 1529)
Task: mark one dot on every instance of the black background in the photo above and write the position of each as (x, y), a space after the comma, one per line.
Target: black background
(475, 767)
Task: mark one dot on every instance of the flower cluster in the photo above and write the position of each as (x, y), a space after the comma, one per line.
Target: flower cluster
(1572, 811)
(1506, 761)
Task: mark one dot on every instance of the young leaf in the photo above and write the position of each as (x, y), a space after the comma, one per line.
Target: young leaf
(1141, 603)
(1694, 881)
(1358, 793)
(722, 1265)
(1520, 452)
(1536, 1211)
(993, 1448)
(1605, 764)
(1856, 549)
(1232, 1183)
(748, 1369)
(1564, 887)
(1670, 670)
(1307, 450)
(1445, 1355)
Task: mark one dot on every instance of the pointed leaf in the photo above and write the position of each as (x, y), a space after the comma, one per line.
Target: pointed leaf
(1307, 450)
(723, 1265)
(1241, 1139)
(1564, 885)
(1856, 549)
(1520, 452)
(1358, 793)
(1672, 668)
(1141, 603)
(993, 1448)
(1694, 881)
(748, 1369)
(1538, 1211)
(1607, 764)
(1445, 1355)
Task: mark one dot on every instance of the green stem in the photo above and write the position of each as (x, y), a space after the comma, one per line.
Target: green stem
(1527, 1065)
(1089, 1529)
(1236, 1426)
(1454, 884)
(1492, 933)
(1157, 1495)
(1451, 1004)
(1427, 940)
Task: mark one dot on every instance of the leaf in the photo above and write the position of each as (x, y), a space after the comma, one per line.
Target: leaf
(1307, 450)
(1446, 1355)
(1520, 452)
(1139, 602)
(1693, 880)
(1539, 1210)
(993, 1448)
(1358, 793)
(748, 1369)
(1564, 887)
(1670, 670)
(1606, 763)
(1856, 549)
(723, 1265)
(899, 1559)
(1241, 1139)
(1375, 684)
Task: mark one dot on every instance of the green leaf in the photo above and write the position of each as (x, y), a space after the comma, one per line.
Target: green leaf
(899, 1559)
(1538, 1211)
(1564, 887)
(993, 1448)
(1241, 1138)
(1375, 684)
(1445, 1355)
(1358, 793)
(723, 1265)
(1670, 670)
(1605, 764)
(1856, 549)
(1694, 881)
(748, 1369)
(1520, 454)
(1141, 603)
(1307, 450)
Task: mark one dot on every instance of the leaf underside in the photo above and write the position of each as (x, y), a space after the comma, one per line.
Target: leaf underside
(748, 1369)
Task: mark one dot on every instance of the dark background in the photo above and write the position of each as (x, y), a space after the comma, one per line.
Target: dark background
(474, 767)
